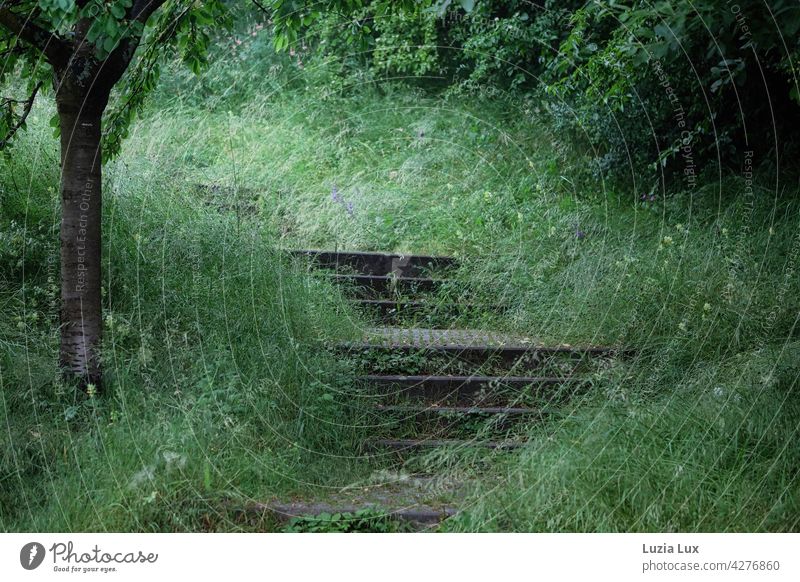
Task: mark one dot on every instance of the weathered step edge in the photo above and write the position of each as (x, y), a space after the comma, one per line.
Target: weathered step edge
(286, 511)
(384, 283)
(389, 306)
(415, 444)
(472, 349)
(469, 382)
(469, 410)
(479, 390)
(373, 263)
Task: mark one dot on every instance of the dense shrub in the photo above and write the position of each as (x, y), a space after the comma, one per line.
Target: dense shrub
(658, 90)
(679, 84)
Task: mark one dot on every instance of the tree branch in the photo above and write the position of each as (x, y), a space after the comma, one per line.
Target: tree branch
(117, 62)
(261, 7)
(143, 9)
(54, 48)
(23, 117)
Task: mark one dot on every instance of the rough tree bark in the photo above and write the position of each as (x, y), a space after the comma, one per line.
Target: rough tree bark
(80, 113)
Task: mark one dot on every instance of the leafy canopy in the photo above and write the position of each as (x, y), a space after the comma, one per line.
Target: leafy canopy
(121, 44)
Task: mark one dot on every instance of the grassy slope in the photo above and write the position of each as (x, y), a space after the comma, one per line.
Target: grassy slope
(217, 384)
(698, 432)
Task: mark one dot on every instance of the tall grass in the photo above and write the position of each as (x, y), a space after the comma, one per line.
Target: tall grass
(219, 386)
(698, 430)
(716, 452)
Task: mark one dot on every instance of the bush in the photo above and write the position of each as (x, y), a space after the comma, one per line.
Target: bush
(654, 91)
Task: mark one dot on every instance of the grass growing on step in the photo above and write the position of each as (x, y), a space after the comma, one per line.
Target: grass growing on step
(568, 258)
(363, 521)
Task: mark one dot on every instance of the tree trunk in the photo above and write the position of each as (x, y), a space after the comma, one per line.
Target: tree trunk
(81, 215)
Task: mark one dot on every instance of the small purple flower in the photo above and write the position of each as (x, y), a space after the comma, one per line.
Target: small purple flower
(350, 207)
(652, 197)
(579, 234)
(643, 198)
(335, 194)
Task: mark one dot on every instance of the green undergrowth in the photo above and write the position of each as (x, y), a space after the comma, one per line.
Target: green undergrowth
(219, 386)
(699, 283)
(717, 453)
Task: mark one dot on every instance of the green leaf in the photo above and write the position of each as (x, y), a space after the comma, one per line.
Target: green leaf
(111, 27)
(109, 43)
(118, 11)
(662, 30)
(440, 8)
(94, 31)
(195, 65)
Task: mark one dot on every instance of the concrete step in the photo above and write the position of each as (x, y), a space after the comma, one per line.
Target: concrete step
(410, 445)
(391, 311)
(385, 286)
(438, 389)
(283, 512)
(372, 263)
(409, 410)
(507, 352)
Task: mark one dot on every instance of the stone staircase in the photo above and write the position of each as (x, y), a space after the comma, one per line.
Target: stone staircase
(438, 387)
